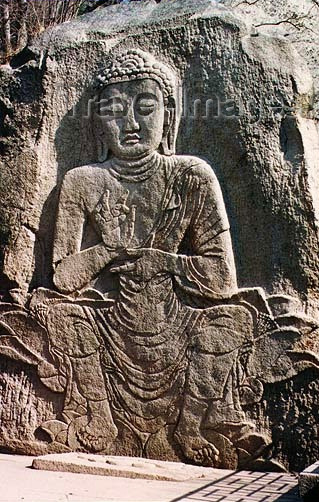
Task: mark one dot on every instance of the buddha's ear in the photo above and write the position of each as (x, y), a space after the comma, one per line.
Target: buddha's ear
(102, 149)
(168, 142)
(99, 140)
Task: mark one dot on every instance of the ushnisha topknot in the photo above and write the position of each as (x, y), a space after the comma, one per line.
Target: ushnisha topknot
(135, 64)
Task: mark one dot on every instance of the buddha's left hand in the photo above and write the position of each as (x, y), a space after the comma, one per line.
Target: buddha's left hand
(146, 263)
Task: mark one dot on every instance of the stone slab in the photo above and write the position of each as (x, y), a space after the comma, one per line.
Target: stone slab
(29, 485)
(309, 482)
(125, 467)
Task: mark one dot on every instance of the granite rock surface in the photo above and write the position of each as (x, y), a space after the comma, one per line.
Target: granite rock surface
(159, 240)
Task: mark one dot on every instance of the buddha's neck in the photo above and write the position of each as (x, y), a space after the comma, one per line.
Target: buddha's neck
(135, 170)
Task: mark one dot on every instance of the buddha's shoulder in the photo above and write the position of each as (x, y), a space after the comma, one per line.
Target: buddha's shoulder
(91, 173)
(195, 166)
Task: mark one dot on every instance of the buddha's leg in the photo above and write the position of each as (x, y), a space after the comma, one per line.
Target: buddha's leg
(100, 430)
(72, 333)
(215, 348)
(188, 434)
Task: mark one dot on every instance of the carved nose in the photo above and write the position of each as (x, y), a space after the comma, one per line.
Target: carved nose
(131, 125)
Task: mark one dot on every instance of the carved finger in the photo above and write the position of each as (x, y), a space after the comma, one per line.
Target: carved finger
(98, 208)
(120, 209)
(120, 206)
(123, 198)
(130, 225)
(102, 209)
(121, 218)
(106, 200)
(126, 268)
(98, 218)
(136, 252)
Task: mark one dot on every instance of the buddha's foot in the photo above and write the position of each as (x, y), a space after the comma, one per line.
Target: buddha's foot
(198, 450)
(97, 434)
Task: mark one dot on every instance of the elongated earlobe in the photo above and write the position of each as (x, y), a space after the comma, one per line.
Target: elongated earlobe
(166, 146)
(103, 150)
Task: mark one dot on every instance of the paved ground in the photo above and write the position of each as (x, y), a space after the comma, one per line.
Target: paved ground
(247, 486)
(21, 483)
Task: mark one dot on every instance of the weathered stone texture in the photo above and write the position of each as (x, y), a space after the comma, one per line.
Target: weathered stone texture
(246, 112)
(259, 157)
(296, 21)
(125, 467)
(309, 483)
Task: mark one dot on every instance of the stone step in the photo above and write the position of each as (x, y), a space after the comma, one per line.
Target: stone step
(309, 483)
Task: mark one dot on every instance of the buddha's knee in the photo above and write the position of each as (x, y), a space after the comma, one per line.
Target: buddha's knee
(208, 374)
(223, 329)
(89, 376)
(71, 331)
(242, 318)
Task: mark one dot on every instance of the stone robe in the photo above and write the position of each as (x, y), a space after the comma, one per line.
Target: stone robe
(155, 341)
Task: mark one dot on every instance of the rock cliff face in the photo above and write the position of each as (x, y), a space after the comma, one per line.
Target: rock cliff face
(296, 21)
(247, 111)
(261, 150)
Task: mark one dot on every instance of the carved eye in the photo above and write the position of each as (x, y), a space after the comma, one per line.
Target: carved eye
(112, 108)
(145, 106)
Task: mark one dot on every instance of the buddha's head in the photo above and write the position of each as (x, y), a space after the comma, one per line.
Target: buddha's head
(137, 106)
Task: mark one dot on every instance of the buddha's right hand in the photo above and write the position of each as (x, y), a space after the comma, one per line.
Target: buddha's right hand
(116, 222)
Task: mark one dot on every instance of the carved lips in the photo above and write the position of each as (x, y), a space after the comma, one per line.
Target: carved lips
(131, 139)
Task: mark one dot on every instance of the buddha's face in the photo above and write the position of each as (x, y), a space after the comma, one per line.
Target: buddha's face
(133, 117)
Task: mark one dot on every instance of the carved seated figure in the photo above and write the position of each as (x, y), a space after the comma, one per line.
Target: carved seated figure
(142, 246)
